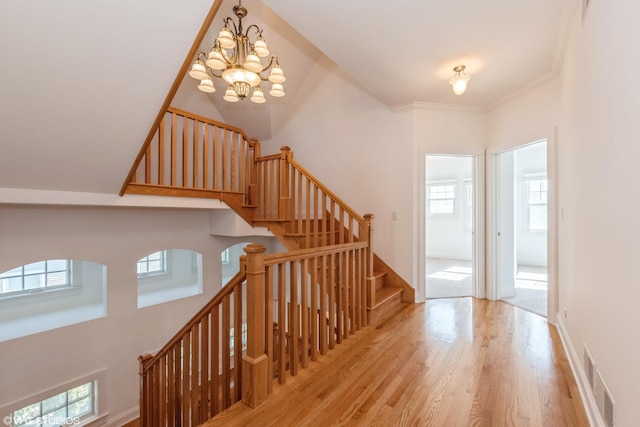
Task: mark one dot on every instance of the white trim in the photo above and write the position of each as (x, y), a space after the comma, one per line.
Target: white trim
(588, 400)
(418, 105)
(478, 162)
(124, 418)
(50, 197)
(552, 220)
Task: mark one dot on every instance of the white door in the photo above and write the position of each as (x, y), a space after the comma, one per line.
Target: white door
(506, 223)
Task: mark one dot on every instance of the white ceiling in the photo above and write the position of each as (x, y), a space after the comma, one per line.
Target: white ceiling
(404, 51)
(81, 82)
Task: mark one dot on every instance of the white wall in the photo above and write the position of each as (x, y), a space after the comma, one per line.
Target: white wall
(116, 237)
(599, 230)
(449, 236)
(359, 149)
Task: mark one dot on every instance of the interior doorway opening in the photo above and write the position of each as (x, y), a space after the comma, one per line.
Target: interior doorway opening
(522, 189)
(449, 226)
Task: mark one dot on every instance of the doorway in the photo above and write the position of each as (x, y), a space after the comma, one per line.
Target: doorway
(521, 261)
(449, 226)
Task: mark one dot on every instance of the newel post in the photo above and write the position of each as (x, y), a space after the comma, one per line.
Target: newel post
(252, 171)
(368, 236)
(285, 198)
(255, 364)
(145, 390)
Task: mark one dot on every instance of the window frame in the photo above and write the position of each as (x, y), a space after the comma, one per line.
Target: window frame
(448, 195)
(68, 270)
(541, 202)
(156, 272)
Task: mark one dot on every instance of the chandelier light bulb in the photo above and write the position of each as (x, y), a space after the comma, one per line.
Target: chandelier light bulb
(459, 81)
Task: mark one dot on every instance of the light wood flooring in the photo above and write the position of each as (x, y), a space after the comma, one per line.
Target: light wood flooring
(448, 362)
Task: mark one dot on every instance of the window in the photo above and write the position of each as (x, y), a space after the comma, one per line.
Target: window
(537, 204)
(67, 408)
(225, 256)
(168, 275)
(154, 263)
(50, 294)
(36, 277)
(441, 199)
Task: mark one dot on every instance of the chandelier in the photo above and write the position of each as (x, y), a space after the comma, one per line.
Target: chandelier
(236, 59)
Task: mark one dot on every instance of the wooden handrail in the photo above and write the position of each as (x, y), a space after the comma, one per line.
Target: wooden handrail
(301, 254)
(209, 121)
(326, 190)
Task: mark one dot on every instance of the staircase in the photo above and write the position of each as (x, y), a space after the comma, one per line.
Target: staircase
(281, 311)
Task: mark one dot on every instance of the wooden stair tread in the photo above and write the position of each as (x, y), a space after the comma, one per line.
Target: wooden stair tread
(384, 294)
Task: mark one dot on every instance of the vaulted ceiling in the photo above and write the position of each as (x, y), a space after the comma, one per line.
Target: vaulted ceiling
(81, 82)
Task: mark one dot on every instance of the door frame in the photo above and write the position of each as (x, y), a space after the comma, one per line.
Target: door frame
(552, 220)
(478, 165)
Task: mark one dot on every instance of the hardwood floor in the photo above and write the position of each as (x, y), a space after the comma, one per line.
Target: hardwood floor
(448, 362)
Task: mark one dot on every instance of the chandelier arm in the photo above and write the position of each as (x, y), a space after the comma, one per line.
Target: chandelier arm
(270, 62)
(258, 30)
(201, 56)
(211, 72)
(226, 23)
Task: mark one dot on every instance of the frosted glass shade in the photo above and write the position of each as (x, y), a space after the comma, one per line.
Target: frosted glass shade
(206, 85)
(459, 83)
(260, 46)
(198, 70)
(215, 60)
(277, 90)
(258, 96)
(252, 63)
(277, 75)
(230, 95)
(225, 38)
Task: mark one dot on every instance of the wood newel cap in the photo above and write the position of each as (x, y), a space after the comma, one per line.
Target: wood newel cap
(144, 360)
(254, 248)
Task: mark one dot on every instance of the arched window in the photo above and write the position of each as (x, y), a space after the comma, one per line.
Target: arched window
(168, 275)
(49, 294)
(230, 258)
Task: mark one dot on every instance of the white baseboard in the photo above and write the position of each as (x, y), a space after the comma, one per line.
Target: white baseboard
(124, 417)
(588, 400)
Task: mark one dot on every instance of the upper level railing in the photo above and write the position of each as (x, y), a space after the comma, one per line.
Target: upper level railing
(279, 312)
(288, 192)
(198, 372)
(191, 155)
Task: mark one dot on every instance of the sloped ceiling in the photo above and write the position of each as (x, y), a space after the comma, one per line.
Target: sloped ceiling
(82, 81)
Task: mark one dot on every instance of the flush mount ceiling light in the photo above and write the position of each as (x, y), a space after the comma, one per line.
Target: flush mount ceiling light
(236, 59)
(459, 81)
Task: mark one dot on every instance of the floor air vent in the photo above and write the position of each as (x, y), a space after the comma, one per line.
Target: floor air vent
(588, 366)
(601, 394)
